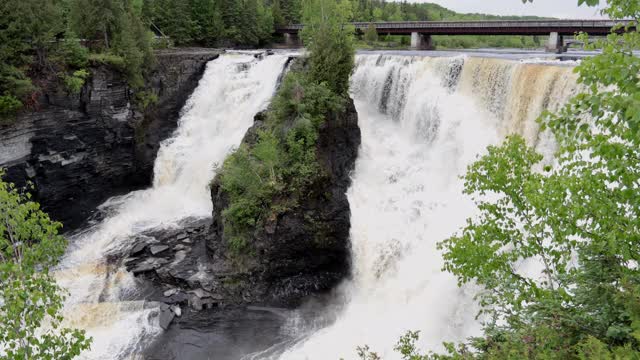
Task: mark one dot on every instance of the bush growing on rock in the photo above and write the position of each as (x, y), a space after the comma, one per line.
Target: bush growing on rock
(281, 162)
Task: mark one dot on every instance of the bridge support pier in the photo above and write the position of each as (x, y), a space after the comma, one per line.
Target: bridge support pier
(556, 44)
(292, 40)
(421, 41)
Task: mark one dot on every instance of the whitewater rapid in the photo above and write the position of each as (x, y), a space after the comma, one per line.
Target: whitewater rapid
(232, 90)
(423, 121)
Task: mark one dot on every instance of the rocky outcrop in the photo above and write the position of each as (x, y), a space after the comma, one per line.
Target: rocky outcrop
(304, 250)
(78, 150)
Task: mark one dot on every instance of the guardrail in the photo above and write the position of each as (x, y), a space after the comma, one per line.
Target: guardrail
(460, 26)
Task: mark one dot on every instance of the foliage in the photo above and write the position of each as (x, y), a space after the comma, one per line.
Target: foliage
(330, 43)
(27, 31)
(212, 22)
(115, 61)
(31, 300)
(40, 39)
(74, 82)
(371, 34)
(146, 98)
(9, 105)
(114, 27)
(71, 52)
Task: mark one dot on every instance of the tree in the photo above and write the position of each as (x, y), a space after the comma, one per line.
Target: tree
(371, 34)
(330, 43)
(27, 27)
(30, 299)
(117, 24)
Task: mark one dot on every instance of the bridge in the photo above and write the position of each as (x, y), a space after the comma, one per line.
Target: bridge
(421, 31)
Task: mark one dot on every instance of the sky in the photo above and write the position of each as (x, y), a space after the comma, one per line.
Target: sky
(555, 8)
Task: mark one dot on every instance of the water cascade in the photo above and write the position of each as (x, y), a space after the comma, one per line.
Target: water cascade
(423, 121)
(102, 296)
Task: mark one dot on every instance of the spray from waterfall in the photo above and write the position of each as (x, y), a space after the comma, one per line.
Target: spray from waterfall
(423, 121)
(233, 89)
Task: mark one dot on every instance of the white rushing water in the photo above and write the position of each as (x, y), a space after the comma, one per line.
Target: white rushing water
(233, 89)
(423, 121)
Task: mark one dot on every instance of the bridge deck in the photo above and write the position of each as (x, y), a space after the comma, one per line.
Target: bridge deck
(495, 27)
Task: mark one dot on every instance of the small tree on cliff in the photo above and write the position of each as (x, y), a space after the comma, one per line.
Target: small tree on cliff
(30, 299)
(329, 39)
(371, 34)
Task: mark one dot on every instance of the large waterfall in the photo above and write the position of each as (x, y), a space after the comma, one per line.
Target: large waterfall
(102, 293)
(423, 121)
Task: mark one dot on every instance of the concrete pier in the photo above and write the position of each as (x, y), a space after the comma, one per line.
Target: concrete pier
(292, 40)
(421, 41)
(556, 43)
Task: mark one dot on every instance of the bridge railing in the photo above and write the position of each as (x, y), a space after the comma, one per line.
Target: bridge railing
(481, 24)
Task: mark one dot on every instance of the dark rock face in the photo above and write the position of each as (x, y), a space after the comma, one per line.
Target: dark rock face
(78, 150)
(305, 250)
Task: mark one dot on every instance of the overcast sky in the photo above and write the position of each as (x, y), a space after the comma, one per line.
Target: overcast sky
(554, 8)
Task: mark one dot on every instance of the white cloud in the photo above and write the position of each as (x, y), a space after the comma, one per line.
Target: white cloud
(554, 8)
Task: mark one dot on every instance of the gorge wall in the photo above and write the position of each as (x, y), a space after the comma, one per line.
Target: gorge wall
(78, 150)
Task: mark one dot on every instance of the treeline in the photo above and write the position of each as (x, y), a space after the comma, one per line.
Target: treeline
(211, 22)
(252, 22)
(55, 40)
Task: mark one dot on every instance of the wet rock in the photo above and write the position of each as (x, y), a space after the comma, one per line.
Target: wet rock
(148, 265)
(201, 293)
(143, 267)
(138, 248)
(166, 317)
(170, 292)
(156, 249)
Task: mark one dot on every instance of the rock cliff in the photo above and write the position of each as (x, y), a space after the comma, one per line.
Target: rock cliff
(305, 250)
(78, 150)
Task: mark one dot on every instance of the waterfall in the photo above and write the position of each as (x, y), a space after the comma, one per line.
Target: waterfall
(423, 120)
(232, 90)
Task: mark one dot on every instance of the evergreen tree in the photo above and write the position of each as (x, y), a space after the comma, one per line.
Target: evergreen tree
(330, 43)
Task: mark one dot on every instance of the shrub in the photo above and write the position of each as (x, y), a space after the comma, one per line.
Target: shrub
(9, 105)
(108, 59)
(75, 82)
(371, 34)
(71, 52)
(146, 98)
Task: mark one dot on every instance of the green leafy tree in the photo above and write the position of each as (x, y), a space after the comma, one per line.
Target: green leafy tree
(30, 299)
